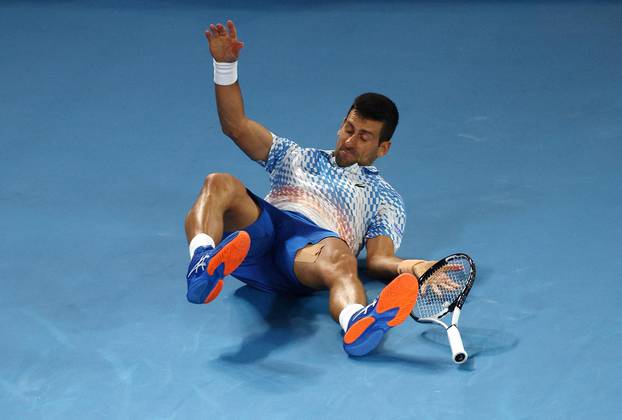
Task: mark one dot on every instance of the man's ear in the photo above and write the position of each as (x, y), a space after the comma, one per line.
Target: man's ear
(383, 148)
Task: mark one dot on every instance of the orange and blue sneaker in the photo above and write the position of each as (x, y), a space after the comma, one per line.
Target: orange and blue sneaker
(210, 265)
(392, 306)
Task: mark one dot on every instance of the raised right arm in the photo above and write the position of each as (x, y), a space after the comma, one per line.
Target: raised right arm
(254, 139)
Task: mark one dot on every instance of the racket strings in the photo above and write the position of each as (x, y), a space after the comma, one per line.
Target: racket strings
(442, 289)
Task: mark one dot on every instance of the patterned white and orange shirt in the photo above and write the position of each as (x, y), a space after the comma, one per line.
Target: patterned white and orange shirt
(355, 201)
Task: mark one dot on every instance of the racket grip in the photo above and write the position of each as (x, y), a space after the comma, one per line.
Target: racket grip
(459, 355)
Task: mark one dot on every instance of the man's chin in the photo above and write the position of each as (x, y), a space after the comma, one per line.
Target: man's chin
(344, 159)
(344, 162)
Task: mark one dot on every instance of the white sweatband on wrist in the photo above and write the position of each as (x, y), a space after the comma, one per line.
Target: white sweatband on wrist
(225, 74)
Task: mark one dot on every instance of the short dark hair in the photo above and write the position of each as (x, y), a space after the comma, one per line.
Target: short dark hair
(377, 107)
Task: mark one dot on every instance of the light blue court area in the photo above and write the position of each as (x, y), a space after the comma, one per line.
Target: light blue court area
(509, 149)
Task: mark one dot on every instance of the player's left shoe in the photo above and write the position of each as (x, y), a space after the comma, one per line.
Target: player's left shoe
(392, 306)
(210, 265)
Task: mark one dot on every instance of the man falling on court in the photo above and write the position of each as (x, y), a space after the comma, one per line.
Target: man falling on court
(322, 209)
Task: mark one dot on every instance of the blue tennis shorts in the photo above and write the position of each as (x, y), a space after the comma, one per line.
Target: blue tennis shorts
(276, 236)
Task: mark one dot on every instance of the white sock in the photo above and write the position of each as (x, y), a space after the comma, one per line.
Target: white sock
(202, 239)
(346, 314)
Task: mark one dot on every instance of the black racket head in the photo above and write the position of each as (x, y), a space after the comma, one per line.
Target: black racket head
(457, 271)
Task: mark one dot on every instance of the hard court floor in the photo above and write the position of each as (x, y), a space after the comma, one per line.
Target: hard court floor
(509, 149)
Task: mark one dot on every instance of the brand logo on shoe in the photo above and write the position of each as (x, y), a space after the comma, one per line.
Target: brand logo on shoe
(200, 265)
(363, 312)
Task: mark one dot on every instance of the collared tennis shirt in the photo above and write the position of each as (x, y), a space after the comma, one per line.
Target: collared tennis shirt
(355, 201)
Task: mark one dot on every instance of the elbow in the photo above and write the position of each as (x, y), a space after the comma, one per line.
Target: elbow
(233, 128)
(230, 131)
(235, 131)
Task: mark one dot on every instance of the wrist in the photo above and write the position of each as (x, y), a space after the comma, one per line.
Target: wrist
(408, 266)
(225, 74)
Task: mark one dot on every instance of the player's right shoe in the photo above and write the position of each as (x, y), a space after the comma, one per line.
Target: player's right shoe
(210, 265)
(392, 306)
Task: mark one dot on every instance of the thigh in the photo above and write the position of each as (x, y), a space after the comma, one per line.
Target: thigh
(262, 230)
(243, 209)
(261, 273)
(268, 265)
(319, 265)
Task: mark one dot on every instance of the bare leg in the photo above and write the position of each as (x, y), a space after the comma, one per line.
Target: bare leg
(222, 205)
(335, 269)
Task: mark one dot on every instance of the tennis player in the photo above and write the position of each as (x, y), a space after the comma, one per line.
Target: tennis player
(322, 208)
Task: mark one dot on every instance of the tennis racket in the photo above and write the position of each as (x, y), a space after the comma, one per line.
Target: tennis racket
(443, 288)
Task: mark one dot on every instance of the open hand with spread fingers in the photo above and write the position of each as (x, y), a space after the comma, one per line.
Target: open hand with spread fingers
(223, 42)
(439, 283)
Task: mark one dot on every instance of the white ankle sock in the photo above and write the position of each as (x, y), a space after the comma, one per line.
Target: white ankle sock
(346, 314)
(202, 239)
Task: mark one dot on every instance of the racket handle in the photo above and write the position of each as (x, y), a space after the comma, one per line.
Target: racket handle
(459, 355)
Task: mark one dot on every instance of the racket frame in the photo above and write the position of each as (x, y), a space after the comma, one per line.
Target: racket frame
(459, 354)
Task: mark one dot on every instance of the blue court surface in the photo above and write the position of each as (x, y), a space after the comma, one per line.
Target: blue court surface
(509, 148)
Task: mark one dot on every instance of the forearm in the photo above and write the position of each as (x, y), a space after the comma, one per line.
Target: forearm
(384, 267)
(230, 109)
(387, 267)
(254, 139)
(383, 264)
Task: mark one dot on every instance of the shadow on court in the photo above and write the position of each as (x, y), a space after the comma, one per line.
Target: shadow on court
(479, 341)
(405, 360)
(287, 322)
(260, 359)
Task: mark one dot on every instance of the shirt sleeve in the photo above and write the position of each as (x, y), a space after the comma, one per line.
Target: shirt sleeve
(389, 220)
(280, 148)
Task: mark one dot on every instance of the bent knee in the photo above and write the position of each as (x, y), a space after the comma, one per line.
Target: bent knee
(336, 255)
(223, 182)
(220, 178)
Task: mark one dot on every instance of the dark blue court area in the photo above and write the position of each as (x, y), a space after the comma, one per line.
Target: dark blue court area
(509, 149)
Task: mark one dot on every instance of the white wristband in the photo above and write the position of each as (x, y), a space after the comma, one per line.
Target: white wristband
(225, 74)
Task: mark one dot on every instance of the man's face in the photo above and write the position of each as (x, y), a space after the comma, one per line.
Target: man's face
(358, 141)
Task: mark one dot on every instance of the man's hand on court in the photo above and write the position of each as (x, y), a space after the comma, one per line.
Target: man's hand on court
(224, 45)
